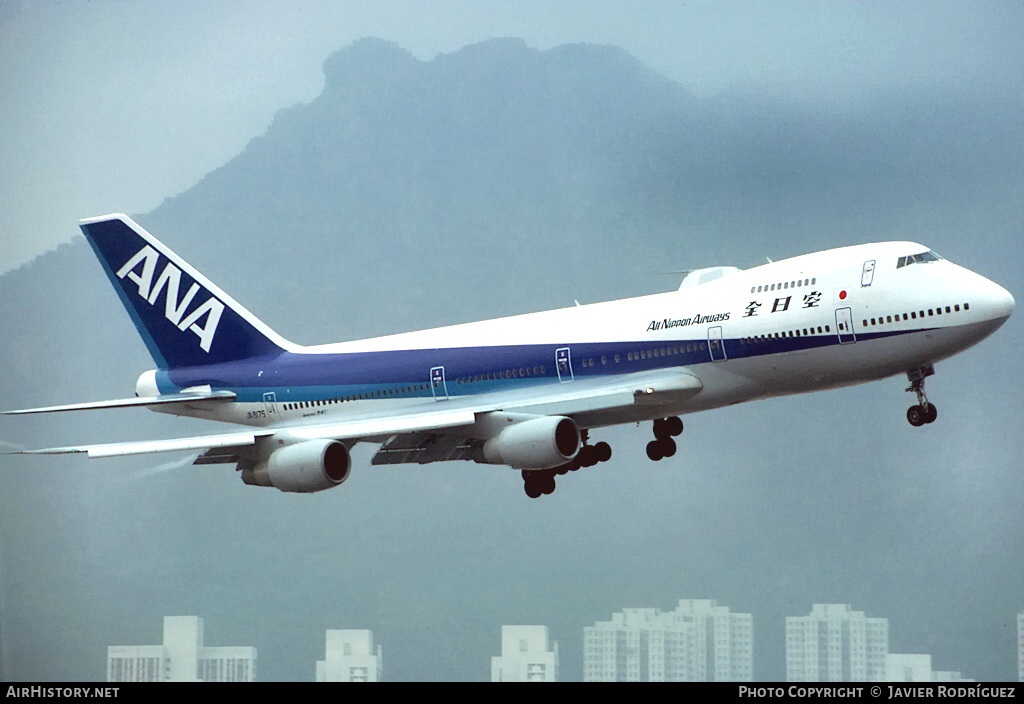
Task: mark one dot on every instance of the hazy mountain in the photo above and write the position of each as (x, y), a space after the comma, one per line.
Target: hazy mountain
(496, 180)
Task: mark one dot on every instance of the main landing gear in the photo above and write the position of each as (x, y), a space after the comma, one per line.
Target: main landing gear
(923, 412)
(664, 430)
(537, 482)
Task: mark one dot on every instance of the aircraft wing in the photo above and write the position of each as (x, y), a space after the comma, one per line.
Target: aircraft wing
(356, 430)
(144, 401)
(418, 437)
(583, 402)
(642, 388)
(143, 447)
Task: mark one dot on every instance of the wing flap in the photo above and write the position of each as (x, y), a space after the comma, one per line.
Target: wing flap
(384, 427)
(634, 389)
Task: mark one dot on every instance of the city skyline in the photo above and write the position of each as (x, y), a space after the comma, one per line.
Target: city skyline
(698, 640)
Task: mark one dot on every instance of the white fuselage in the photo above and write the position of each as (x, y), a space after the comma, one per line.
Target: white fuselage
(812, 322)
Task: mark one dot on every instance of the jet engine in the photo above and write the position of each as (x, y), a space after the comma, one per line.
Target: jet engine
(313, 465)
(539, 443)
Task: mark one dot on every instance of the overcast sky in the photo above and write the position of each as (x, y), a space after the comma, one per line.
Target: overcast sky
(112, 106)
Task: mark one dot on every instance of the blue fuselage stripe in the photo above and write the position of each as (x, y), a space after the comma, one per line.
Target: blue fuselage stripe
(295, 377)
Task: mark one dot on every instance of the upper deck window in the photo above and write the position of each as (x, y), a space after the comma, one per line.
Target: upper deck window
(922, 258)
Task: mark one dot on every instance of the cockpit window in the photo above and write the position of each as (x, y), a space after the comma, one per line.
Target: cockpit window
(922, 258)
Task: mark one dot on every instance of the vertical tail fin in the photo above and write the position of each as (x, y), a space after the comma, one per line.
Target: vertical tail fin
(184, 319)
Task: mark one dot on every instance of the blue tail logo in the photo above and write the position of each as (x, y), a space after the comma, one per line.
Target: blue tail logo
(174, 309)
(196, 323)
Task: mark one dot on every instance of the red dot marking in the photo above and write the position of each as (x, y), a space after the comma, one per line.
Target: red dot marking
(842, 295)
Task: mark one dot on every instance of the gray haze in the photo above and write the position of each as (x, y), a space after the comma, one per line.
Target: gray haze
(409, 190)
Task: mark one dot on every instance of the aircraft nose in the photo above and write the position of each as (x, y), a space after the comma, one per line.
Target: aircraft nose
(1002, 301)
(996, 302)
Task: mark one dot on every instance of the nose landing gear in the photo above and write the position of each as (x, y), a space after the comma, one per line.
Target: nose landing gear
(923, 412)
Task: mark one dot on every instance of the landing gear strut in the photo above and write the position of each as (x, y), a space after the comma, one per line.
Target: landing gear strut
(663, 445)
(923, 412)
(537, 482)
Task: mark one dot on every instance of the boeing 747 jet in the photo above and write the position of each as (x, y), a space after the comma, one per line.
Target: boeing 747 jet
(529, 392)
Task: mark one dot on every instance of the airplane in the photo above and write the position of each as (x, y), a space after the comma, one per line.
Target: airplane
(527, 391)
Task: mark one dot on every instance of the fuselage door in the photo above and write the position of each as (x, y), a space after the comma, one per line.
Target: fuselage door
(844, 326)
(867, 274)
(438, 387)
(715, 344)
(563, 364)
(270, 403)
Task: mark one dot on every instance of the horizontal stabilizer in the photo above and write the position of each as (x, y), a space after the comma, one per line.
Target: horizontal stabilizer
(210, 396)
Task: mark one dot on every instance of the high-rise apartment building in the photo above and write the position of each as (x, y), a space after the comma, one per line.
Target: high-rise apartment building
(349, 656)
(182, 657)
(699, 641)
(527, 655)
(836, 644)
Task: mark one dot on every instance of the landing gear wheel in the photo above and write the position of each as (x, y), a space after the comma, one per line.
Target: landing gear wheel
(668, 447)
(668, 427)
(588, 456)
(930, 413)
(537, 482)
(661, 428)
(604, 451)
(915, 415)
(674, 426)
(654, 450)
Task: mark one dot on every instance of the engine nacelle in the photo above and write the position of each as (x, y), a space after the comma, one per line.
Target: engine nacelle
(539, 443)
(313, 465)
